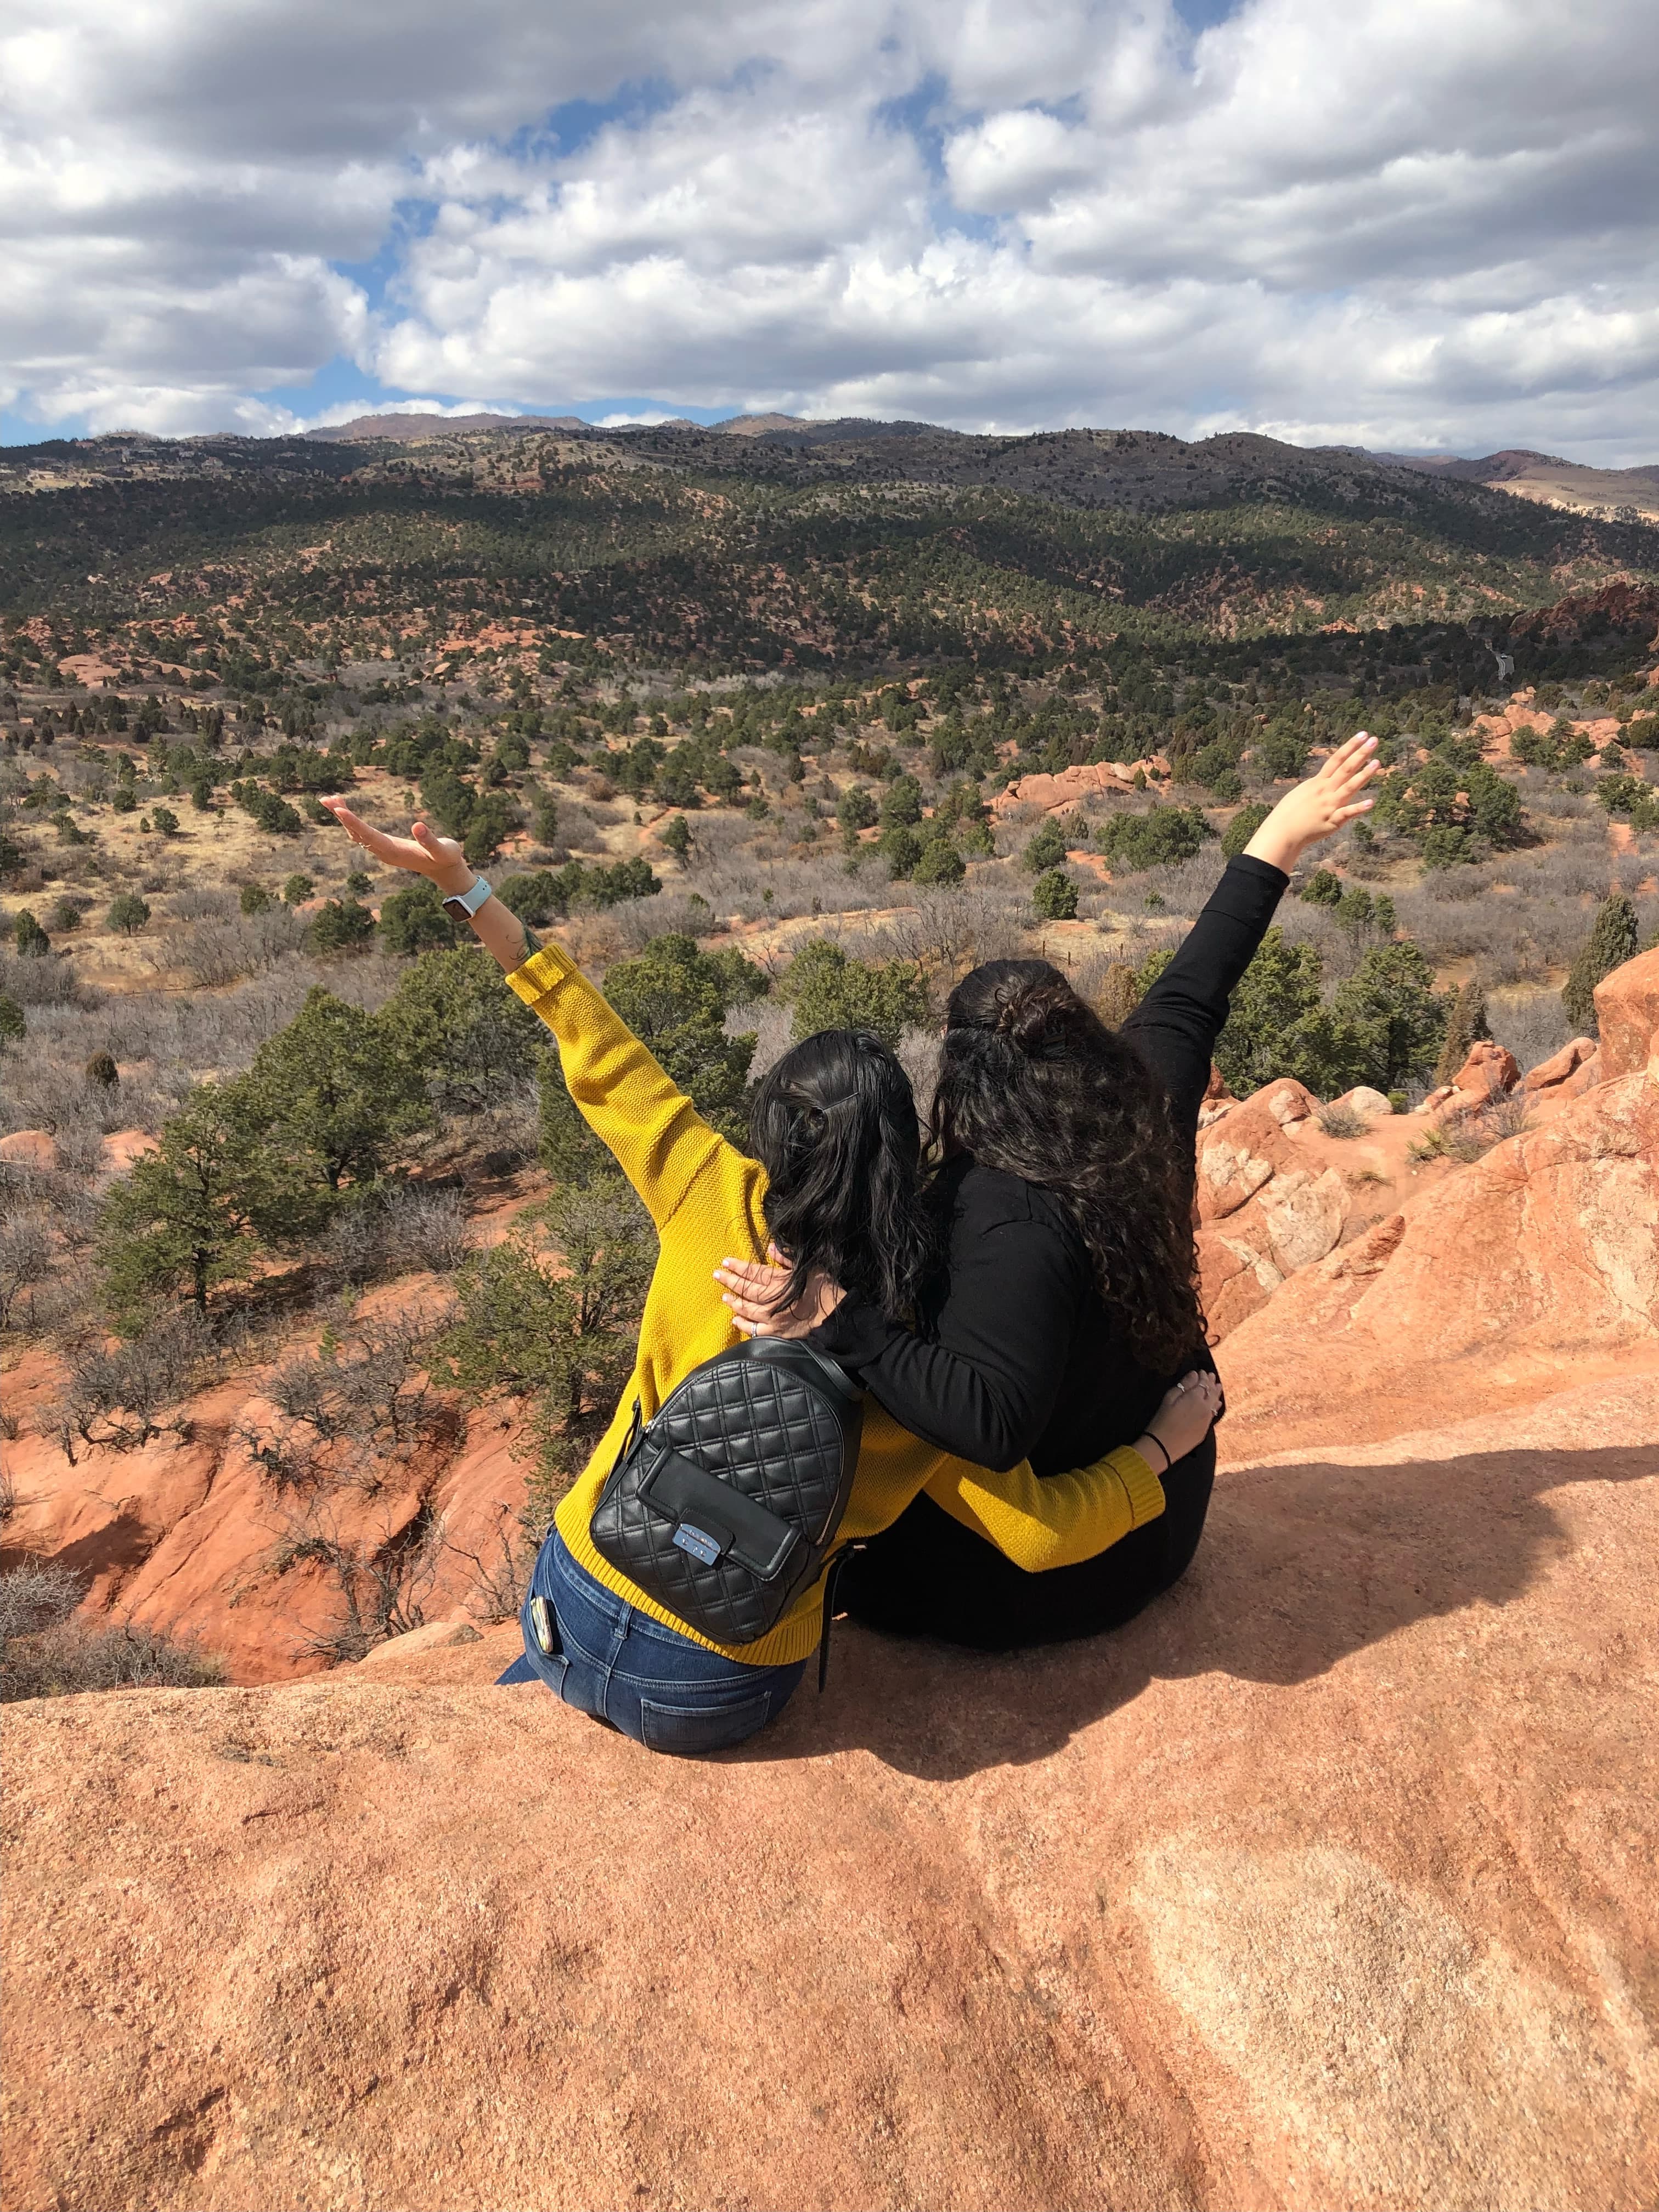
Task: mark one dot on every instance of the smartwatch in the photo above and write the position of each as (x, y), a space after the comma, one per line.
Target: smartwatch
(465, 904)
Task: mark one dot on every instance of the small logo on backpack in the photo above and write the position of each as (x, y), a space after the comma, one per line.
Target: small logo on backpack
(702, 1547)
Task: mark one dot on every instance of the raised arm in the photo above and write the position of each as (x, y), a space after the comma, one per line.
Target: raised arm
(660, 1139)
(1177, 1023)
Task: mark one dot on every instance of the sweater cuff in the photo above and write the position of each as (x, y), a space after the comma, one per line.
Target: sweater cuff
(539, 976)
(855, 1335)
(1248, 864)
(1145, 1492)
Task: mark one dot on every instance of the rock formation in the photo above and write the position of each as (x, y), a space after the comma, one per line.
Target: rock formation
(1328, 1881)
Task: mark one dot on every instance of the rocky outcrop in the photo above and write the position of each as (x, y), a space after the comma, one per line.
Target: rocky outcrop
(1328, 1881)
(1058, 794)
(187, 1535)
(1540, 1258)
(1627, 1015)
(1276, 1193)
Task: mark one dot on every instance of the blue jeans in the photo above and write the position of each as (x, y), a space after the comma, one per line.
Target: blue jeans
(645, 1679)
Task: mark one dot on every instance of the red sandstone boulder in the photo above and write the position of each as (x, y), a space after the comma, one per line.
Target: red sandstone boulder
(1628, 1015)
(1059, 794)
(1489, 1072)
(30, 1148)
(1556, 1070)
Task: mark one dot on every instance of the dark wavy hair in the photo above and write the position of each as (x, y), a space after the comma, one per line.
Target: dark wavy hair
(834, 1125)
(1034, 1082)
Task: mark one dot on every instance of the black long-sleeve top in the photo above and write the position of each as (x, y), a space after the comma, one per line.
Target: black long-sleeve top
(1018, 1356)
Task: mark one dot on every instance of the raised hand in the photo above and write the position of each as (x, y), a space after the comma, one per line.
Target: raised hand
(1318, 807)
(423, 852)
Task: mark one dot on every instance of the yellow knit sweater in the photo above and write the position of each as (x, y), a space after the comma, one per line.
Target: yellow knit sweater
(705, 1198)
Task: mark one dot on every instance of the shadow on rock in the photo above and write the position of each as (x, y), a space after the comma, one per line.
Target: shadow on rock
(1300, 1567)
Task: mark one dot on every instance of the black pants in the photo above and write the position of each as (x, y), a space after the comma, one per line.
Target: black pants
(928, 1576)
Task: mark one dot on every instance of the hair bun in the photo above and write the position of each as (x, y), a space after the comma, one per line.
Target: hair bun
(1037, 1017)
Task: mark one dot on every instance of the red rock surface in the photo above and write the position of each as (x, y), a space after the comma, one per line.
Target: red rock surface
(1628, 1015)
(1539, 1258)
(1328, 1882)
(181, 1535)
(1555, 1070)
(29, 1148)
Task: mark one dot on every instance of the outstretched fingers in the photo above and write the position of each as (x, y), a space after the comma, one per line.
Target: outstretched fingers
(1346, 774)
(395, 851)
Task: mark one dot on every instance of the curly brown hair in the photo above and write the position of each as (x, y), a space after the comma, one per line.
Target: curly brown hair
(1032, 1082)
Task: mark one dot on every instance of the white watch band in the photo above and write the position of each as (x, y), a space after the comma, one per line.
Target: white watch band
(468, 902)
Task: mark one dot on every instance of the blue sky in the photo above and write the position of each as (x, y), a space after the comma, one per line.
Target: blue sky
(1411, 224)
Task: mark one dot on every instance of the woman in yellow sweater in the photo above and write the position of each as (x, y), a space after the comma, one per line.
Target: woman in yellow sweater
(837, 1129)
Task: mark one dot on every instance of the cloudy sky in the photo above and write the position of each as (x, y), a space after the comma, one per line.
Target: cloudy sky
(1427, 224)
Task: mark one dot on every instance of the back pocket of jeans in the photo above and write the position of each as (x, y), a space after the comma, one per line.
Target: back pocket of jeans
(687, 1729)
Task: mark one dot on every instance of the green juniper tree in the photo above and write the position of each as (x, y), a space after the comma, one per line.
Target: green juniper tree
(334, 1091)
(200, 1210)
(1465, 1026)
(128, 913)
(831, 990)
(1613, 940)
(1054, 896)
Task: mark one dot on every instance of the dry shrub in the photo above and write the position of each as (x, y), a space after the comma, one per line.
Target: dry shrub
(353, 1413)
(26, 1255)
(201, 903)
(116, 1396)
(398, 1230)
(214, 953)
(1534, 1027)
(46, 1651)
(947, 932)
(1343, 1121)
(770, 1022)
(53, 981)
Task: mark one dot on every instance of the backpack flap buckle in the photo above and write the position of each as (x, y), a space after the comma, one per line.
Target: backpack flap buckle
(706, 1510)
(708, 1546)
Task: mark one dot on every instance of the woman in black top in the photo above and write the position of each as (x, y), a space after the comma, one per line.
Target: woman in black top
(1067, 1308)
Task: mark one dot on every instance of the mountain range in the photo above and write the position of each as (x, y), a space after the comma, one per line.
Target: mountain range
(1608, 494)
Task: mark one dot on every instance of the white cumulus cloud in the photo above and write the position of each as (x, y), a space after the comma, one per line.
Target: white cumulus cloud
(1404, 223)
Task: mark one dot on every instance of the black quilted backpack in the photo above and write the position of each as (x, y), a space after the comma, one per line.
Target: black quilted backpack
(724, 1507)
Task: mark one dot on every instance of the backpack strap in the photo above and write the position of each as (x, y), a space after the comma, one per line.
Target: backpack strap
(831, 1585)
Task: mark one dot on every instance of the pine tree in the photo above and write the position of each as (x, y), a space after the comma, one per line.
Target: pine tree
(333, 1090)
(198, 1210)
(1612, 941)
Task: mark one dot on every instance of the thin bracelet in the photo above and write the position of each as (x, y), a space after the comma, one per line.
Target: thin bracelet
(1163, 1447)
